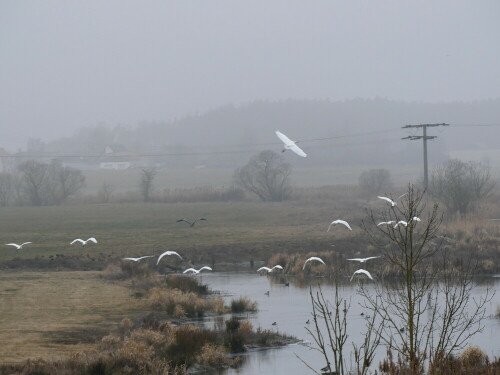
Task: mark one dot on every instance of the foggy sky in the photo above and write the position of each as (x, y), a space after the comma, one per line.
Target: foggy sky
(66, 64)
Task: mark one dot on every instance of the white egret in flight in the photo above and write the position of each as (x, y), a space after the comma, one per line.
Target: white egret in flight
(313, 258)
(363, 260)
(402, 222)
(392, 202)
(335, 222)
(138, 259)
(192, 270)
(363, 272)
(270, 269)
(290, 145)
(390, 222)
(91, 239)
(168, 253)
(18, 247)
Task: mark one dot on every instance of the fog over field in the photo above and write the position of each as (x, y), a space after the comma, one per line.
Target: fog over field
(198, 75)
(173, 174)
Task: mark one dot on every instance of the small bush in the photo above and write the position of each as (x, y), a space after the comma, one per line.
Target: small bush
(243, 304)
(213, 356)
(473, 357)
(175, 303)
(186, 284)
(375, 181)
(187, 343)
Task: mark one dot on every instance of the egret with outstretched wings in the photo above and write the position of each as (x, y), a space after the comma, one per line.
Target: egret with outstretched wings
(362, 271)
(138, 259)
(335, 222)
(194, 271)
(290, 145)
(270, 269)
(313, 258)
(18, 247)
(84, 242)
(168, 253)
(363, 260)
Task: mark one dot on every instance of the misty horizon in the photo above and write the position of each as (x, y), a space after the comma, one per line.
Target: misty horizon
(67, 65)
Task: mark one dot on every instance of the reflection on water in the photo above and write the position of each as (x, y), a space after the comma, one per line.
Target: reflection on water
(290, 307)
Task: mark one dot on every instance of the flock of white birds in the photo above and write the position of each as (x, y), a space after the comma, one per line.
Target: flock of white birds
(292, 145)
(346, 224)
(288, 145)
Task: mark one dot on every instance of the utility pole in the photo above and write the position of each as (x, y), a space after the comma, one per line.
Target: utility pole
(424, 137)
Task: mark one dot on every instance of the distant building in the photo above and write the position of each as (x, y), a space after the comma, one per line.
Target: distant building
(117, 165)
(7, 162)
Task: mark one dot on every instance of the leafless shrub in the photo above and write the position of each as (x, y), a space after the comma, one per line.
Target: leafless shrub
(6, 189)
(430, 312)
(146, 182)
(48, 184)
(375, 181)
(459, 184)
(266, 175)
(105, 192)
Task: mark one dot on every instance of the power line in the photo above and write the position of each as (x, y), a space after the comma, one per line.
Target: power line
(221, 152)
(473, 125)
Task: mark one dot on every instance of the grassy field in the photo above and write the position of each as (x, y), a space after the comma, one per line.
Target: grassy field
(146, 229)
(51, 314)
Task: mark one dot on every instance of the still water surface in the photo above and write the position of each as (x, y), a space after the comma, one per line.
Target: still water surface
(290, 308)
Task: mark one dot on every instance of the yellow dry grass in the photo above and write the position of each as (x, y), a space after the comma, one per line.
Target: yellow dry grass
(51, 314)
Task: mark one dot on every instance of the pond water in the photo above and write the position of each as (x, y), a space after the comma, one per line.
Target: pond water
(290, 307)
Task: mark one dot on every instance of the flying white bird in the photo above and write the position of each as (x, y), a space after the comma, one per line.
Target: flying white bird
(402, 222)
(290, 145)
(138, 259)
(18, 247)
(392, 202)
(92, 239)
(168, 253)
(363, 260)
(363, 272)
(270, 269)
(335, 222)
(386, 223)
(313, 258)
(197, 271)
(191, 223)
(415, 218)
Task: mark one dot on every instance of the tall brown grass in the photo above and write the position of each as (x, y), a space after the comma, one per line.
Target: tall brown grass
(243, 304)
(184, 305)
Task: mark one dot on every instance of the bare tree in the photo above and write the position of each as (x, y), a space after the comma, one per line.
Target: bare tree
(458, 184)
(375, 181)
(45, 184)
(424, 318)
(6, 188)
(63, 182)
(105, 192)
(266, 175)
(146, 183)
(330, 334)
(34, 175)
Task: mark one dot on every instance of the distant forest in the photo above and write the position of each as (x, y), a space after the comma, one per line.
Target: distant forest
(230, 135)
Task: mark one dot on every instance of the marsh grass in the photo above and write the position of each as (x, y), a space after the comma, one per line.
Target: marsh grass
(181, 305)
(61, 312)
(243, 304)
(165, 349)
(186, 284)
